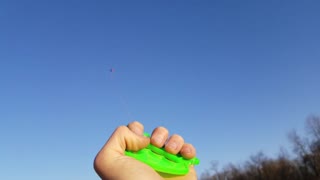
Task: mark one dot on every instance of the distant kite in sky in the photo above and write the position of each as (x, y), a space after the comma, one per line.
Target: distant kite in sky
(111, 70)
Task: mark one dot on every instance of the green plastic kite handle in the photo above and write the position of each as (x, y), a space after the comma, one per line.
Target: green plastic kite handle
(162, 161)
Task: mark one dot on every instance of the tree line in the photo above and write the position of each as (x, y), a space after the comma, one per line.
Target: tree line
(305, 165)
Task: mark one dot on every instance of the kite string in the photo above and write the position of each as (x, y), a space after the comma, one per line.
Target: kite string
(122, 100)
(125, 107)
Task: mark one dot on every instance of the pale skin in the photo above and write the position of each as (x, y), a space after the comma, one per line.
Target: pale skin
(111, 163)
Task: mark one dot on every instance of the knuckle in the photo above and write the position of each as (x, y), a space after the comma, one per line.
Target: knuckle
(160, 130)
(177, 137)
(133, 123)
(121, 128)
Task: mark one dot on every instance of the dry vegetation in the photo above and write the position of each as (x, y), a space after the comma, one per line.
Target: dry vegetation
(304, 165)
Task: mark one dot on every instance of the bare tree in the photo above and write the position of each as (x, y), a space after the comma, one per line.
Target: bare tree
(305, 165)
(313, 127)
(300, 147)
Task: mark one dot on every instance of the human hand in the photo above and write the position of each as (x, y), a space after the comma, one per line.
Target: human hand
(111, 163)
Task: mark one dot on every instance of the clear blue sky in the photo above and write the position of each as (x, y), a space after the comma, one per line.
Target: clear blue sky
(232, 77)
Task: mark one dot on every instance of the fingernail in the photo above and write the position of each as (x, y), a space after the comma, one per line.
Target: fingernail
(158, 139)
(172, 145)
(137, 131)
(187, 151)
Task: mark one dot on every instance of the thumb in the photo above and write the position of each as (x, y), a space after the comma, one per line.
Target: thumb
(124, 139)
(112, 157)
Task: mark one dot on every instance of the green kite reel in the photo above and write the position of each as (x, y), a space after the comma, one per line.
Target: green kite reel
(162, 161)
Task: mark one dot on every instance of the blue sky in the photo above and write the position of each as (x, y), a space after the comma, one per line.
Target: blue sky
(232, 77)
